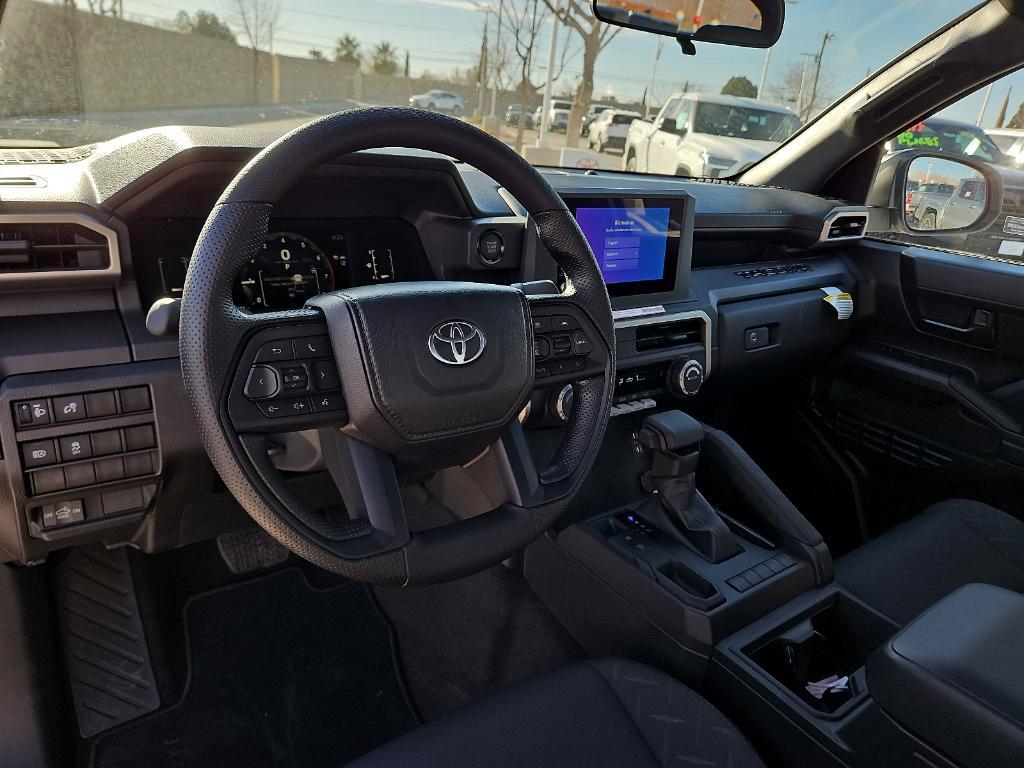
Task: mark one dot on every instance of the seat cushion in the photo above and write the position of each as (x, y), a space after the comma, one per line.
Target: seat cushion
(916, 564)
(595, 713)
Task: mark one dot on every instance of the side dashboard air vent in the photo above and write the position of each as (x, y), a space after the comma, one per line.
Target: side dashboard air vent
(8, 182)
(59, 245)
(774, 271)
(46, 156)
(844, 224)
(671, 333)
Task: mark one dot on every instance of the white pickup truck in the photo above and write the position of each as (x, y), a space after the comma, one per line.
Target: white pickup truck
(706, 135)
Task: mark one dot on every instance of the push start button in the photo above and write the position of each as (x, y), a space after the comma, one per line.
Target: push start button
(491, 247)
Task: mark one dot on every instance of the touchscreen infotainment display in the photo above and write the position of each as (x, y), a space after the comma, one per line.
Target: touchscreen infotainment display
(629, 243)
(639, 242)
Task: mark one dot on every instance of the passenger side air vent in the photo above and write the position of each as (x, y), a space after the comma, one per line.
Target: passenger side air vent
(46, 156)
(844, 224)
(33, 246)
(672, 333)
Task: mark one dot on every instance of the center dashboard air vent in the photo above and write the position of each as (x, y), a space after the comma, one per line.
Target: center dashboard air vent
(55, 247)
(671, 333)
(45, 155)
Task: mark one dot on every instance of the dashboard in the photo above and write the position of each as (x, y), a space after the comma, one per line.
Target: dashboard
(713, 286)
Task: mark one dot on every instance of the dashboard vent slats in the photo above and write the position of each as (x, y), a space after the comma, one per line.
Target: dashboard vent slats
(672, 333)
(46, 156)
(51, 247)
(774, 271)
(846, 226)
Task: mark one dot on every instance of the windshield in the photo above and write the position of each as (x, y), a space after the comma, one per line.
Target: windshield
(743, 122)
(76, 72)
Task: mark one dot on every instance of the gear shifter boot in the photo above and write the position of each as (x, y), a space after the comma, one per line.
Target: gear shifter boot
(678, 509)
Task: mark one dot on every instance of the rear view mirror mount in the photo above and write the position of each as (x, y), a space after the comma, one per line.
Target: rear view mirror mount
(749, 23)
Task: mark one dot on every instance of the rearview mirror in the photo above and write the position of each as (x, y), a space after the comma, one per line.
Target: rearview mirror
(932, 193)
(747, 23)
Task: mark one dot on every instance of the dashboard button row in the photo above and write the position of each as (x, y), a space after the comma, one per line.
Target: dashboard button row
(92, 405)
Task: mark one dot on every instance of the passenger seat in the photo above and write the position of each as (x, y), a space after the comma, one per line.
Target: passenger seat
(917, 563)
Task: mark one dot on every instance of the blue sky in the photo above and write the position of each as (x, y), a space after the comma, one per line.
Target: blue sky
(443, 34)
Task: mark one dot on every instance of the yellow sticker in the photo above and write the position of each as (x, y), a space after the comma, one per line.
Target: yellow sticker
(840, 301)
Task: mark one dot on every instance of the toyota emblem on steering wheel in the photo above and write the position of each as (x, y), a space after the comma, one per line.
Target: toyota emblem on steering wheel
(456, 342)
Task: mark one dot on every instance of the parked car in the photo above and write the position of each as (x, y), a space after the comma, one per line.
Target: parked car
(964, 206)
(592, 113)
(924, 204)
(442, 101)
(512, 114)
(610, 129)
(706, 135)
(1011, 142)
(944, 135)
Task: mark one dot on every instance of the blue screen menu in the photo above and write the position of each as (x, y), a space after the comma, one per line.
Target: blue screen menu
(629, 243)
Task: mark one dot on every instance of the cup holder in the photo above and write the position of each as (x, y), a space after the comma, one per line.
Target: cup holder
(820, 655)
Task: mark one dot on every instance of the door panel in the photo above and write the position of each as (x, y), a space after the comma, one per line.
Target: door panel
(929, 394)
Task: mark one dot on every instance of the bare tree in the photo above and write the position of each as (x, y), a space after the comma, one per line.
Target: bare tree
(257, 20)
(578, 16)
(795, 90)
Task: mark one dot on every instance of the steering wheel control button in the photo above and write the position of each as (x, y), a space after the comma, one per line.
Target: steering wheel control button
(100, 404)
(541, 348)
(567, 366)
(311, 346)
(328, 402)
(275, 350)
(294, 378)
(75, 447)
(581, 344)
(135, 399)
(563, 323)
(63, 513)
(69, 408)
(541, 371)
(263, 383)
(490, 247)
(38, 453)
(561, 344)
(277, 409)
(542, 324)
(325, 375)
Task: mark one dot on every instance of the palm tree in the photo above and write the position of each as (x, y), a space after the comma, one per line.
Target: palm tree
(347, 49)
(385, 59)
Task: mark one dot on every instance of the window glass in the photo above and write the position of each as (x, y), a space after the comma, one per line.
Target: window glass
(987, 126)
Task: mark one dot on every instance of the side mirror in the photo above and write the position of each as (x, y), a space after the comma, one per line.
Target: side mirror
(929, 193)
(746, 23)
(669, 125)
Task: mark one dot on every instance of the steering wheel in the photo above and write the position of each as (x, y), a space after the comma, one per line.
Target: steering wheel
(397, 378)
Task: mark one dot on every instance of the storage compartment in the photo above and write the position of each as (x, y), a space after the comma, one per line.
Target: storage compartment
(819, 655)
(768, 335)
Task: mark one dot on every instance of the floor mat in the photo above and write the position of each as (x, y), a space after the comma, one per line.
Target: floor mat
(280, 674)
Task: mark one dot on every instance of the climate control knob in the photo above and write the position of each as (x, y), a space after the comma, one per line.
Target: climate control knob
(686, 377)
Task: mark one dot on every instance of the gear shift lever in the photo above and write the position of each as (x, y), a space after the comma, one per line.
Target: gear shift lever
(678, 509)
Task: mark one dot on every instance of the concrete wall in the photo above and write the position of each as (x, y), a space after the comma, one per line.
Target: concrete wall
(54, 60)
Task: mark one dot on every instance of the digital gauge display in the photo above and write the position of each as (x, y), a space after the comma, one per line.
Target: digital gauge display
(290, 269)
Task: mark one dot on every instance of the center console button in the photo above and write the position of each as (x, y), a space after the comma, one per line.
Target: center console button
(263, 382)
(100, 404)
(135, 399)
(69, 408)
(48, 480)
(63, 513)
(75, 447)
(77, 475)
(106, 442)
(38, 453)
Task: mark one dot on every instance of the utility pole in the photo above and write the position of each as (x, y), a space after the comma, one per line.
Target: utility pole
(545, 115)
(654, 70)
(497, 59)
(984, 104)
(817, 71)
(481, 73)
